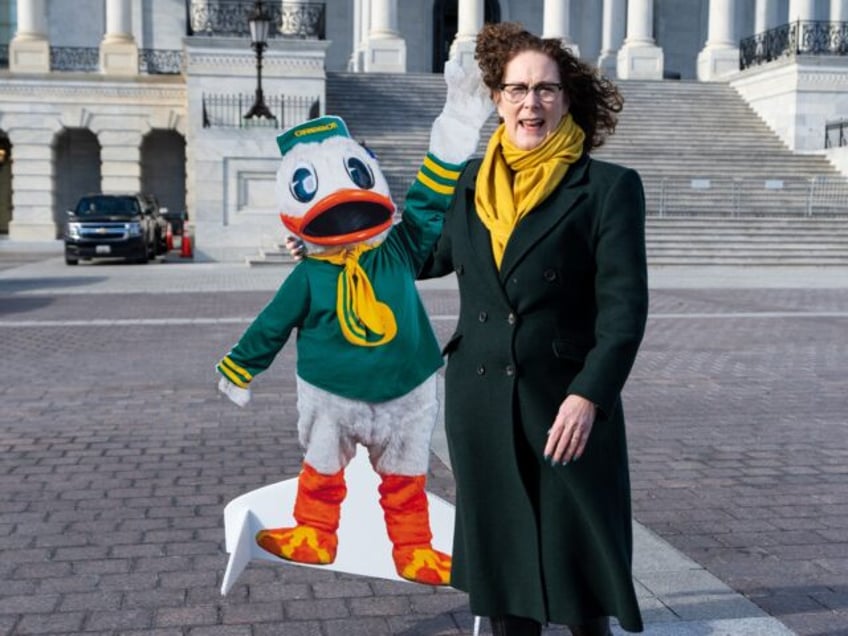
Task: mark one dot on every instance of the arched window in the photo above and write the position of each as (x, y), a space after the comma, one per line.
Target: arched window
(77, 166)
(163, 172)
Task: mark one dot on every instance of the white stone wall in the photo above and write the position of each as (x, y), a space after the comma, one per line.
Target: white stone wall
(796, 98)
(231, 171)
(119, 113)
(839, 158)
(234, 205)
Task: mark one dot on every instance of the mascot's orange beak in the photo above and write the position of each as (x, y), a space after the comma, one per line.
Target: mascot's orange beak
(343, 217)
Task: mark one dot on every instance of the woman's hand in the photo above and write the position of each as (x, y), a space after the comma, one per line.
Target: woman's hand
(570, 431)
(296, 248)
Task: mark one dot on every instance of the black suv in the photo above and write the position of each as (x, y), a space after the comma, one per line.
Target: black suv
(113, 225)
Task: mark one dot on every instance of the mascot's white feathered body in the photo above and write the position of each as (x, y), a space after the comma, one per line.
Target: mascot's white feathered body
(367, 356)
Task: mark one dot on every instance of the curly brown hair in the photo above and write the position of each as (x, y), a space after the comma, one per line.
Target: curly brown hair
(594, 101)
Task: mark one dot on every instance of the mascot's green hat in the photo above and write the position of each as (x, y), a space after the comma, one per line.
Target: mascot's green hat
(312, 131)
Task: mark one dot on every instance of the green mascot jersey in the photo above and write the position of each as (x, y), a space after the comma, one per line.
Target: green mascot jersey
(306, 301)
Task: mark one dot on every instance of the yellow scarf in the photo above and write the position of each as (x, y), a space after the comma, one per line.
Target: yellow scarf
(511, 181)
(364, 320)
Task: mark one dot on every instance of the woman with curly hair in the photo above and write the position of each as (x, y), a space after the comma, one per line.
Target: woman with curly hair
(549, 251)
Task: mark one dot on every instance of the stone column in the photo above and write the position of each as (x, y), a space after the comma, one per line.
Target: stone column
(355, 62)
(720, 55)
(120, 159)
(32, 176)
(29, 50)
(839, 10)
(557, 23)
(612, 34)
(640, 57)
(118, 50)
(385, 50)
(765, 16)
(469, 23)
(802, 10)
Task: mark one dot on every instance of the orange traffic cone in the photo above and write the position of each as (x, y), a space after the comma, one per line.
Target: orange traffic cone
(169, 239)
(185, 245)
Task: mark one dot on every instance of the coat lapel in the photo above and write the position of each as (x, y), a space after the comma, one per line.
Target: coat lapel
(539, 222)
(480, 242)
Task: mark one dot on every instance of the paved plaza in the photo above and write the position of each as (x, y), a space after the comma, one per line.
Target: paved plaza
(118, 456)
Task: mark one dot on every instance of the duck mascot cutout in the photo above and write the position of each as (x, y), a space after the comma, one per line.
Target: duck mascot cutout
(367, 357)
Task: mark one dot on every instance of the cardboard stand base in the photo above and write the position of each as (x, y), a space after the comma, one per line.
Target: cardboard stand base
(364, 546)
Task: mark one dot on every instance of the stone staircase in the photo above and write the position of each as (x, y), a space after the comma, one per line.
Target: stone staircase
(720, 186)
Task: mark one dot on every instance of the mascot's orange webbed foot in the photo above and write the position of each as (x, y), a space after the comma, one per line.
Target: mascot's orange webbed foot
(422, 564)
(302, 544)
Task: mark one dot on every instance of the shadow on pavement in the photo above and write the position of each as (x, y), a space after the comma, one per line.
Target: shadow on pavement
(23, 304)
(13, 286)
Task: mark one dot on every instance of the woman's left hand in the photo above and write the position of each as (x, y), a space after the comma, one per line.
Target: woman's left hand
(570, 431)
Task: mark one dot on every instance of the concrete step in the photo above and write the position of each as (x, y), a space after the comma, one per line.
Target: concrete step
(703, 131)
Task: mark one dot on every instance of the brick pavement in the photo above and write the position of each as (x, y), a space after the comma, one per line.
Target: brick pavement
(738, 419)
(118, 456)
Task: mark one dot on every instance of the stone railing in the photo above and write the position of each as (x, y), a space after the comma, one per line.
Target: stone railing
(304, 20)
(803, 37)
(160, 61)
(87, 60)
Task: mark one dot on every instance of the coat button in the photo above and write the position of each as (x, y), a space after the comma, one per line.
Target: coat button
(483, 317)
(481, 370)
(509, 370)
(511, 319)
(550, 275)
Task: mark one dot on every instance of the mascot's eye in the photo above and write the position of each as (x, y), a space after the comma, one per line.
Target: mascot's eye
(359, 173)
(304, 183)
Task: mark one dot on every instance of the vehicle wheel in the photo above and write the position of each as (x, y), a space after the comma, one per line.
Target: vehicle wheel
(71, 261)
(144, 257)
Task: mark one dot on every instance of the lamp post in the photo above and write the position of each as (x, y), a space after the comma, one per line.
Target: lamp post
(259, 22)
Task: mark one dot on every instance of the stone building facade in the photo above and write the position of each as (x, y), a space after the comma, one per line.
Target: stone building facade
(149, 95)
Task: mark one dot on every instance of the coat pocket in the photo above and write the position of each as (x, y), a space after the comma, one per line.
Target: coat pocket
(569, 350)
(452, 344)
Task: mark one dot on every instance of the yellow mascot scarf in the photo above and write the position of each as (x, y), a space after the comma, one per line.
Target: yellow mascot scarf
(364, 320)
(511, 181)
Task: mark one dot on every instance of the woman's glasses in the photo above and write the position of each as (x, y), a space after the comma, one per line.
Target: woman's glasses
(545, 91)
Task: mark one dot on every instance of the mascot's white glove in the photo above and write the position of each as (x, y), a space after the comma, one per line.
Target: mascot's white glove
(456, 131)
(236, 394)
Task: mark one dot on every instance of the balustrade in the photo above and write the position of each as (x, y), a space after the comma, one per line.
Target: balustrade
(303, 20)
(802, 37)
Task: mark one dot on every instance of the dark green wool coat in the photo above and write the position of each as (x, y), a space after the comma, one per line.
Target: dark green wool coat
(565, 314)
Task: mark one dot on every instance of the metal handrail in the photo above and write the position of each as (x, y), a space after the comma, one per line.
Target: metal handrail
(228, 111)
(802, 37)
(820, 195)
(302, 20)
(840, 129)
